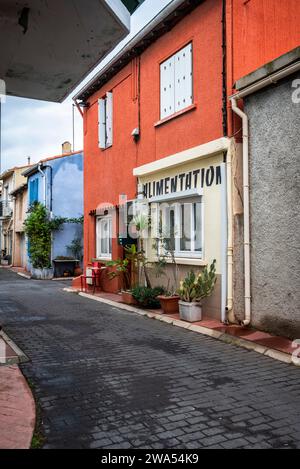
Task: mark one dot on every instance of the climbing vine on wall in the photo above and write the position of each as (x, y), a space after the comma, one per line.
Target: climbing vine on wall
(39, 227)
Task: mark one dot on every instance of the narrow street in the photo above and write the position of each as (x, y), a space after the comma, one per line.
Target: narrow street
(106, 378)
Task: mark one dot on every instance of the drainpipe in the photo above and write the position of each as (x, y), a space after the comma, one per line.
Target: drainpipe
(272, 79)
(229, 304)
(244, 118)
(44, 176)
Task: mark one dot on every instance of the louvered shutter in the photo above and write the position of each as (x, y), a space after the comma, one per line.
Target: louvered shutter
(101, 123)
(183, 78)
(109, 119)
(167, 95)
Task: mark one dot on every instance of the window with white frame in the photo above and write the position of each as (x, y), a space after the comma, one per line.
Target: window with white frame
(181, 222)
(176, 82)
(105, 121)
(103, 237)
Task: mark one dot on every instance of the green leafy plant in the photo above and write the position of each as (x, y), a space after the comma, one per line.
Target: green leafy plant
(196, 287)
(165, 247)
(76, 248)
(141, 223)
(64, 258)
(147, 297)
(38, 228)
(121, 270)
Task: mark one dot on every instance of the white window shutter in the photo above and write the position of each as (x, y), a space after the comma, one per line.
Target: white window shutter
(109, 119)
(167, 92)
(154, 216)
(101, 123)
(183, 78)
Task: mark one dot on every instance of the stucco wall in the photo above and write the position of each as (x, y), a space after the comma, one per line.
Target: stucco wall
(108, 173)
(275, 199)
(67, 198)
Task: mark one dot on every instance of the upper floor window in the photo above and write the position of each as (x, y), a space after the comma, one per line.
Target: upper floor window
(105, 121)
(176, 82)
(33, 191)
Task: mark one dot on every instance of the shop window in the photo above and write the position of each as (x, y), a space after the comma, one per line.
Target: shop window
(105, 121)
(182, 223)
(176, 82)
(103, 237)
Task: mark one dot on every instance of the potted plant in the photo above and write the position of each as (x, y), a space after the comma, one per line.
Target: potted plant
(76, 250)
(121, 269)
(193, 289)
(146, 297)
(165, 246)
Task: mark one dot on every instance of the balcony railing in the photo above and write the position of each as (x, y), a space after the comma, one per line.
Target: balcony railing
(6, 208)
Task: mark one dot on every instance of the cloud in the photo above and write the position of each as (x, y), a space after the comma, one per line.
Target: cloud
(36, 129)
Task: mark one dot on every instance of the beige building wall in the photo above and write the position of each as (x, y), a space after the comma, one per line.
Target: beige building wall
(19, 240)
(211, 229)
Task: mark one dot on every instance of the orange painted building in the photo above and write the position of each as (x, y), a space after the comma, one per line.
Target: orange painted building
(136, 104)
(138, 134)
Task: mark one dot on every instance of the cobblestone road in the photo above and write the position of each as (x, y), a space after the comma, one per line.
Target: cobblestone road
(107, 378)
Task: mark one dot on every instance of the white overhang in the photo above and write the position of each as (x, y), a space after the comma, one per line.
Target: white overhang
(48, 47)
(201, 151)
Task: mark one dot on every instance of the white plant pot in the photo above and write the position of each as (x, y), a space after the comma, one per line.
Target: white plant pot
(190, 312)
(42, 274)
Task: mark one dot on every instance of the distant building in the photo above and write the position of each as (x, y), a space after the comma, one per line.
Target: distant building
(57, 182)
(11, 180)
(19, 249)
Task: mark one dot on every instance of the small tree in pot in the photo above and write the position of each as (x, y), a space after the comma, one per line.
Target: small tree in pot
(165, 246)
(126, 270)
(193, 289)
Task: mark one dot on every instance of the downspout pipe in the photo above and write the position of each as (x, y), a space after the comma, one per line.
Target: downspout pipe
(247, 279)
(229, 305)
(273, 78)
(51, 187)
(44, 176)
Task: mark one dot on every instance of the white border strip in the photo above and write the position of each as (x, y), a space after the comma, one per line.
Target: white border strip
(187, 156)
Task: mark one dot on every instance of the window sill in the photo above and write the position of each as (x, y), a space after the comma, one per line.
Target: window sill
(177, 114)
(101, 259)
(187, 261)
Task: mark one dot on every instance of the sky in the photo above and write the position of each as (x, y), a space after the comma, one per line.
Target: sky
(38, 128)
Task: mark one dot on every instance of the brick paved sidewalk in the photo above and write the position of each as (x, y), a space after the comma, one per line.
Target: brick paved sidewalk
(17, 409)
(109, 378)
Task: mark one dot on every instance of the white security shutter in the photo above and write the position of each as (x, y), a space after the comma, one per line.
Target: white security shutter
(101, 123)
(154, 216)
(183, 78)
(167, 88)
(109, 119)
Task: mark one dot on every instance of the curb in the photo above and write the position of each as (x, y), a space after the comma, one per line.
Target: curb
(22, 357)
(226, 338)
(28, 277)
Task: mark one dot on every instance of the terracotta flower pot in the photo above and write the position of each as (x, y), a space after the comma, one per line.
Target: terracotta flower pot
(169, 304)
(77, 271)
(128, 299)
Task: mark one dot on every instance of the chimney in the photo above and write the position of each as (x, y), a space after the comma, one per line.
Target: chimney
(66, 147)
(28, 160)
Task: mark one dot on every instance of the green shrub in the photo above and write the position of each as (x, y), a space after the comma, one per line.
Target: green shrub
(147, 297)
(196, 287)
